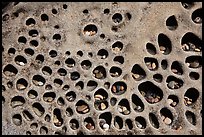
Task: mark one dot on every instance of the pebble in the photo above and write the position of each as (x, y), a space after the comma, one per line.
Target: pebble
(136, 76)
(197, 50)
(126, 112)
(103, 106)
(194, 64)
(173, 104)
(40, 83)
(167, 121)
(98, 97)
(89, 126)
(162, 49)
(116, 49)
(114, 89)
(174, 70)
(185, 47)
(21, 87)
(82, 108)
(21, 63)
(70, 65)
(105, 126)
(9, 73)
(154, 65)
(123, 108)
(171, 84)
(170, 101)
(120, 109)
(198, 20)
(122, 88)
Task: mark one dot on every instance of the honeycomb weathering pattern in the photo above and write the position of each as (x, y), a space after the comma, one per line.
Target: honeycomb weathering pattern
(102, 68)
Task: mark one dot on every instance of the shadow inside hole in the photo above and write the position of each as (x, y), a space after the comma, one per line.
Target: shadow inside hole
(194, 75)
(58, 82)
(193, 61)
(10, 70)
(43, 130)
(164, 64)
(115, 71)
(44, 17)
(57, 63)
(152, 93)
(11, 51)
(91, 85)
(57, 118)
(70, 62)
(128, 15)
(117, 18)
(138, 72)
(151, 63)
(28, 116)
(75, 75)
(119, 59)
(74, 124)
(22, 39)
(113, 101)
(49, 96)
(171, 23)
(153, 120)
(173, 100)
(82, 107)
(102, 53)
(34, 125)
(124, 107)
(165, 45)
(140, 122)
(137, 103)
(29, 51)
(38, 109)
(86, 64)
(166, 116)
(79, 85)
(17, 101)
(60, 101)
(34, 43)
(190, 116)
(151, 48)
(20, 60)
(62, 72)
(39, 58)
(106, 11)
(197, 16)
(173, 82)
(89, 123)
(117, 46)
(90, 30)
(119, 88)
(33, 33)
(56, 37)
(128, 123)
(46, 70)
(30, 22)
(71, 96)
(32, 94)
(69, 112)
(158, 77)
(191, 96)
(38, 80)
(176, 68)
(187, 5)
(99, 72)
(80, 53)
(21, 84)
(17, 119)
(65, 87)
(118, 122)
(53, 53)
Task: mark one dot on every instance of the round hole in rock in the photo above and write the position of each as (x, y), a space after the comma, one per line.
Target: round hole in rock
(70, 62)
(137, 103)
(43, 130)
(22, 39)
(197, 16)
(16, 14)
(38, 80)
(48, 87)
(90, 30)
(100, 94)
(57, 63)
(193, 61)
(32, 94)
(65, 88)
(60, 101)
(21, 84)
(173, 82)
(10, 70)
(119, 59)
(153, 120)
(119, 88)
(102, 36)
(17, 119)
(151, 48)
(44, 17)
(124, 107)
(190, 116)
(54, 11)
(38, 109)
(46, 70)
(47, 118)
(56, 37)
(172, 100)
(58, 82)
(75, 75)
(30, 22)
(17, 101)
(176, 68)
(34, 43)
(158, 78)
(171, 23)
(140, 122)
(56, 26)
(151, 63)
(118, 122)
(113, 101)
(68, 53)
(115, 71)
(74, 124)
(102, 53)
(27, 115)
(39, 58)
(80, 53)
(106, 11)
(57, 117)
(11, 51)
(29, 51)
(53, 53)
(128, 15)
(105, 120)
(64, 6)
(166, 116)
(49, 96)
(187, 5)
(91, 85)
(79, 85)
(33, 33)
(194, 75)
(62, 72)
(86, 64)
(128, 123)
(89, 123)
(82, 107)
(85, 11)
(138, 72)
(90, 54)
(117, 46)
(107, 85)
(151, 93)
(34, 126)
(69, 112)
(99, 72)
(71, 96)
(191, 96)
(117, 18)
(165, 45)
(20, 60)
(164, 64)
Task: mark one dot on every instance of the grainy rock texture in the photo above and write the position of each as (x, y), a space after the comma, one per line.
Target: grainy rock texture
(102, 68)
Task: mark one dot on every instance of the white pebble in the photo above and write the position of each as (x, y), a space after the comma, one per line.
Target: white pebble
(105, 126)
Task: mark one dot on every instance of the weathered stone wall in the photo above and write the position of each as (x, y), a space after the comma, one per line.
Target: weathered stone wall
(102, 68)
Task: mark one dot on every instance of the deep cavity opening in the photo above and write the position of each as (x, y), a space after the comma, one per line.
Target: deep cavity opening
(71, 96)
(194, 61)
(74, 124)
(49, 96)
(128, 15)
(53, 53)
(173, 82)
(151, 48)
(58, 82)
(80, 53)
(158, 78)
(38, 109)
(197, 16)
(171, 23)
(22, 39)
(32, 94)
(21, 84)
(102, 53)
(40, 58)
(17, 101)
(151, 63)
(85, 11)
(190, 116)
(28, 116)
(191, 96)
(113, 101)
(38, 80)
(33, 33)
(164, 44)
(166, 116)
(44, 17)
(124, 107)
(11, 51)
(43, 130)
(54, 11)
(82, 107)
(70, 62)
(151, 92)
(117, 18)
(30, 22)
(46, 70)
(128, 123)
(194, 75)
(119, 59)
(57, 118)
(153, 120)
(117, 46)
(100, 94)
(57, 63)
(176, 68)
(56, 37)
(29, 51)
(89, 123)
(91, 85)
(138, 72)
(164, 64)
(69, 112)
(75, 75)
(106, 11)
(102, 36)
(187, 5)
(119, 88)
(60, 101)
(64, 6)
(20, 60)
(10, 70)
(172, 100)
(17, 119)
(118, 122)
(137, 103)
(99, 72)
(34, 43)
(115, 71)
(62, 72)
(86, 64)
(90, 30)
(79, 85)
(140, 122)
